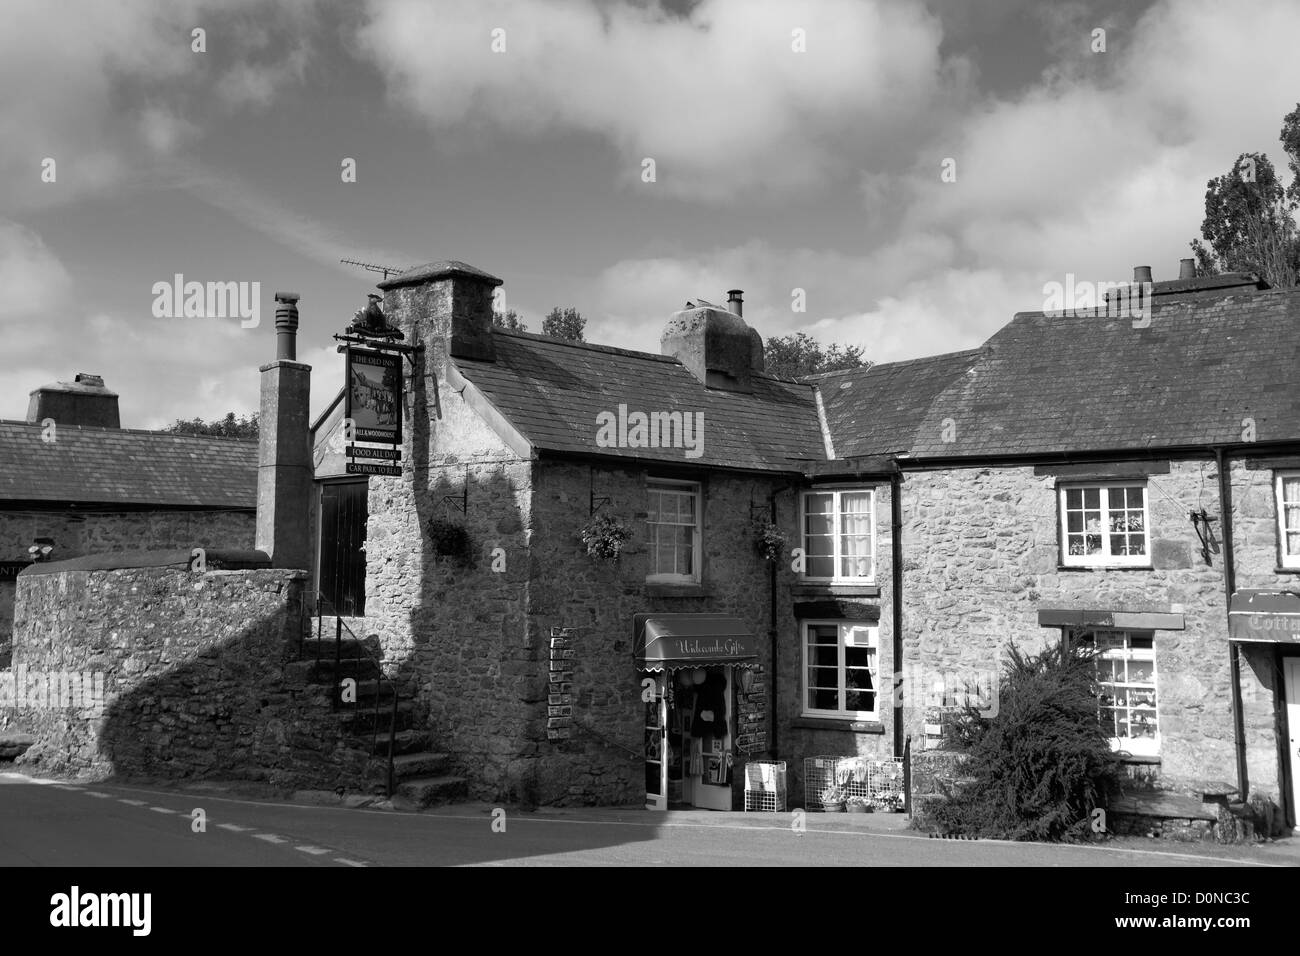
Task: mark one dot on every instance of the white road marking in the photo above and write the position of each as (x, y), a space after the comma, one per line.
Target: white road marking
(133, 803)
(161, 810)
(233, 828)
(269, 838)
(339, 859)
(64, 786)
(96, 793)
(313, 850)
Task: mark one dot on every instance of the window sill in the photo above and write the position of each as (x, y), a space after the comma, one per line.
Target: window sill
(826, 589)
(1286, 570)
(833, 723)
(653, 589)
(1147, 759)
(1105, 567)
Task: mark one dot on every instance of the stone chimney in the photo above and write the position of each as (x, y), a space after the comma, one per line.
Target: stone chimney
(715, 345)
(284, 465)
(447, 306)
(83, 401)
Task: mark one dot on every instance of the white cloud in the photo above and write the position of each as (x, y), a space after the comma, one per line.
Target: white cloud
(33, 282)
(719, 100)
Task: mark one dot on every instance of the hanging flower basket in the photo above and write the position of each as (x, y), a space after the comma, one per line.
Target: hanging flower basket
(769, 540)
(449, 540)
(604, 536)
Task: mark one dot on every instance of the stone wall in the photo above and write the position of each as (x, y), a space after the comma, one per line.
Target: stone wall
(603, 762)
(982, 560)
(99, 532)
(457, 629)
(194, 675)
(800, 737)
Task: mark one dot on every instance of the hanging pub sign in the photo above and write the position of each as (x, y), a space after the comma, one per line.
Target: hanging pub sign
(373, 398)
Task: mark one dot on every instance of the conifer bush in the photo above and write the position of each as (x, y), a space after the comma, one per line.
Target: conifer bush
(1037, 769)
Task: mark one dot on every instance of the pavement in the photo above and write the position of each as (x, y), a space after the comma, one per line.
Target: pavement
(56, 823)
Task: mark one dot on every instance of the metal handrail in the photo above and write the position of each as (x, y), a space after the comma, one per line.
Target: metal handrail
(339, 627)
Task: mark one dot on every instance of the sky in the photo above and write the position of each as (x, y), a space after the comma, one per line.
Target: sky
(796, 145)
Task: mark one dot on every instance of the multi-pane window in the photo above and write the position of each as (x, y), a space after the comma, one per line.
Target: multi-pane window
(1126, 677)
(673, 518)
(1104, 524)
(1288, 517)
(840, 670)
(839, 535)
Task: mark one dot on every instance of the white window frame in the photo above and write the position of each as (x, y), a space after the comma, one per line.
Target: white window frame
(1137, 746)
(872, 636)
(696, 490)
(1103, 558)
(1285, 560)
(836, 533)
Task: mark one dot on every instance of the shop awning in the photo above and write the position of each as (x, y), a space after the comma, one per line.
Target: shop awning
(681, 640)
(1269, 616)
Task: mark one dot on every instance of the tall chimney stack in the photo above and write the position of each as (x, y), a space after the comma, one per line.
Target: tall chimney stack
(284, 467)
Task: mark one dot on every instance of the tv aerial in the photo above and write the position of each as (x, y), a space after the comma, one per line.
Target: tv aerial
(395, 270)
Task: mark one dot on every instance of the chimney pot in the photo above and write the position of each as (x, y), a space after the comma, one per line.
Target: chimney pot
(1187, 268)
(1141, 273)
(286, 326)
(734, 301)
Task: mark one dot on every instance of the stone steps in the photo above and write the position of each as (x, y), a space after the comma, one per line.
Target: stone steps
(428, 791)
(410, 766)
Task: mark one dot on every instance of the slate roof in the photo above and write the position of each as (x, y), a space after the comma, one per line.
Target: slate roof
(552, 392)
(876, 411)
(119, 466)
(1095, 383)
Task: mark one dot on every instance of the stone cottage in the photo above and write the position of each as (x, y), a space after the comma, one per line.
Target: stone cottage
(74, 482)
(1078, 477)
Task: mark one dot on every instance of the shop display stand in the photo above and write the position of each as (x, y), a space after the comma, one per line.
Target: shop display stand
(765, 786)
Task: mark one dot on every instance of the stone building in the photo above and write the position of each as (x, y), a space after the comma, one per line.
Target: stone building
(74, 482)
(1061, 481)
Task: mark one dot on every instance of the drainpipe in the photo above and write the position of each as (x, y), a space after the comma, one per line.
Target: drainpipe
(1234, 649)
(772, 629)
(896, 553)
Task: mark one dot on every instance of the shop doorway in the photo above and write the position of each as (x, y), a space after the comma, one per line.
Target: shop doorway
(689, 739)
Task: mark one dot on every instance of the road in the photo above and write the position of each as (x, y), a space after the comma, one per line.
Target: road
(52, 824)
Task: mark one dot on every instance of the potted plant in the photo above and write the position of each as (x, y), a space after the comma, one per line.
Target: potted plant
(832, 799)
(604, 536)
(856, 804)
(769, 539)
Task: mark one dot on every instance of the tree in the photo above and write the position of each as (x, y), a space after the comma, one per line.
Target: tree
(509, 320)
(228, 427)
(566, 325)
(1249, 220)
(797, 355)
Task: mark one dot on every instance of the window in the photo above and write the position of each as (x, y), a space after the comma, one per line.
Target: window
(1288, 517)
(1126, 673)
(839, 666)
(1104, 524)
(674, 532)
(839, 535)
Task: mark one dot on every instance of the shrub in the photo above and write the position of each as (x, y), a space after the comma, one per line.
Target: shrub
(604, 536)
(449, 539)
(1038, 768)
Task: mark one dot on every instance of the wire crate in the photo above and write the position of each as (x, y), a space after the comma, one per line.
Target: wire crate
(765, 786)
(879, 781)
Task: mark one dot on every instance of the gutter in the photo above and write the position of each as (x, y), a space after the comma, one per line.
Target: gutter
(1234, 649)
